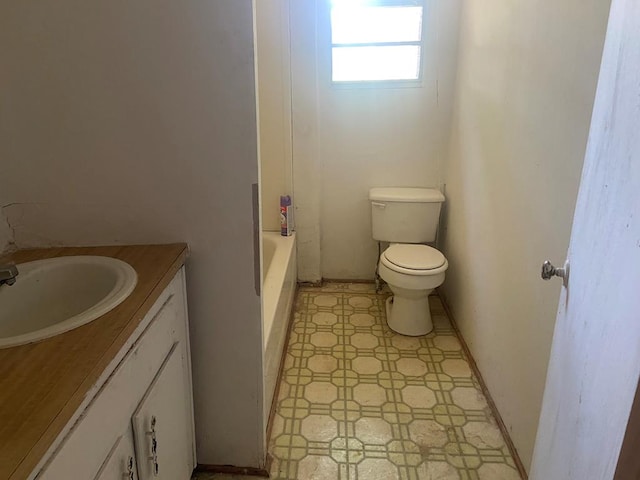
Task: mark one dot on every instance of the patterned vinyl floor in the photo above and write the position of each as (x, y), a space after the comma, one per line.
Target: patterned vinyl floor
(359, 402)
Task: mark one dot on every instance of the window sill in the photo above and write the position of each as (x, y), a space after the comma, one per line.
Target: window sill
(373, 84)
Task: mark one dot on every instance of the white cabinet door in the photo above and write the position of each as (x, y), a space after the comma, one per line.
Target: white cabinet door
(120, 463)
(162, 424)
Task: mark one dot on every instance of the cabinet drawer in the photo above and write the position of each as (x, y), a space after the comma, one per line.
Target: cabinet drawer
(108, 414)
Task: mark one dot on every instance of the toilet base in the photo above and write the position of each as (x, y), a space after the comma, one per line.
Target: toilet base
(409, 316)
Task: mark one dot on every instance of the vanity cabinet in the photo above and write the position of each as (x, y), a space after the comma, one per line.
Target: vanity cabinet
(138, 422)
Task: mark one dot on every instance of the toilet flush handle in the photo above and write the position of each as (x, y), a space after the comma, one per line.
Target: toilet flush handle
(379, 205)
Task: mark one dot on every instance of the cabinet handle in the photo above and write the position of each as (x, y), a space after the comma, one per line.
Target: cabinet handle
(129, 475)
(154, 446)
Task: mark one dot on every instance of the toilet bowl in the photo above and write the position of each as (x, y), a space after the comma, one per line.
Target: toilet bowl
(412, 272)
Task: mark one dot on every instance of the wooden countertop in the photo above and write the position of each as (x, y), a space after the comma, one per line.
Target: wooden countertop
(42, 384)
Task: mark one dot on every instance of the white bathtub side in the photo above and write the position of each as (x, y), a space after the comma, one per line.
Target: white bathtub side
(268, 251)
(278, 294)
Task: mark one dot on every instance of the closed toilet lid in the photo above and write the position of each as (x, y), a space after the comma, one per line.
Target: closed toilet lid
(414, 257)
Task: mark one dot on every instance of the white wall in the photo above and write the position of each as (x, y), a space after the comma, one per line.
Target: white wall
(526, 80)
(370, 137)
(134, 122)
(274, 106)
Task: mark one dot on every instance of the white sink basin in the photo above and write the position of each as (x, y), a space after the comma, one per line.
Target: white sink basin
(56, 295)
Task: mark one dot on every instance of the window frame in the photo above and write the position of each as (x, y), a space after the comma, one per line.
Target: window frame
(389, 83)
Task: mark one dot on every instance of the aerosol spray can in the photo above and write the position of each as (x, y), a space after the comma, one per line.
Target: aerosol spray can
(285, 216)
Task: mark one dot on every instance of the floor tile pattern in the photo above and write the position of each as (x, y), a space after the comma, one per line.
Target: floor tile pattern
(358, 401)
(221, 476)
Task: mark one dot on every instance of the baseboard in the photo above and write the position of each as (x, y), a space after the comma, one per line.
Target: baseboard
(232, 470)
(485, 390)
(323, 281)
(347, 280)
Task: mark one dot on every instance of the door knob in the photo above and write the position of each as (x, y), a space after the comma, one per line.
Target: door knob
(548, 271)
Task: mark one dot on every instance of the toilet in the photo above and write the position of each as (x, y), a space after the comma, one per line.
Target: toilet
(407, 218)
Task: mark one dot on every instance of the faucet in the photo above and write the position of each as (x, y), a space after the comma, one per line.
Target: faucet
(8, 274)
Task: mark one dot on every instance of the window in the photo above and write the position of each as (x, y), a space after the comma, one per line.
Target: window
(376, 40)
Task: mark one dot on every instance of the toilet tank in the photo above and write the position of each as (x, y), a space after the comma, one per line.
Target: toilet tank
(405, 215)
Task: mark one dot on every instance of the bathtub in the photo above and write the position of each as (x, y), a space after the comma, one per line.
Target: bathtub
(279, 277)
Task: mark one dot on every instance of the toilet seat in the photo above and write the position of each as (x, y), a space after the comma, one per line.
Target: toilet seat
(414, 259)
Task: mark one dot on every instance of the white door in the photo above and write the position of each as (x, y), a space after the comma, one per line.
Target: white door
(162, 424)
(120, 463)
(595, 358)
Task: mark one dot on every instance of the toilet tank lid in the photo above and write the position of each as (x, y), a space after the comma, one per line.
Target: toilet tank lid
(406, 194)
